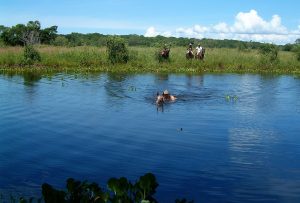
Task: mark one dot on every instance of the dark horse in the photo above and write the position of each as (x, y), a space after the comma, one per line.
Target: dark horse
(164, 53)
(189, 54)
(200, 55)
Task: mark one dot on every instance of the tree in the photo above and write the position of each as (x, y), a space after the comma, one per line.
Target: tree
(269, 53)
(28, 34)
(60, 41)
(296, 49)
(117, 50)
(297, 41)
(48, 35)
(2, 29)
(12, 36)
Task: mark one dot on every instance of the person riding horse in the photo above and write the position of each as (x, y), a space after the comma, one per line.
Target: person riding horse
(165, 52)
(200, 51)
(189, 52)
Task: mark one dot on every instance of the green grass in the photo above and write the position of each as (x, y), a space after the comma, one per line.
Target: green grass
(142, 60)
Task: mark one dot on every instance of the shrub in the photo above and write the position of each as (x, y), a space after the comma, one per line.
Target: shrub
(60, 41)
(287, 47)
(1, 43)
(31, 55)
(117, 50)
(269, 53)
(297, 52)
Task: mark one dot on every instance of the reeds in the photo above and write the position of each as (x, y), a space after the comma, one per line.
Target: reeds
(142, 59)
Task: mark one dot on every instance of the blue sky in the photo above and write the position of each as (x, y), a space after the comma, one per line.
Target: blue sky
(257, 20)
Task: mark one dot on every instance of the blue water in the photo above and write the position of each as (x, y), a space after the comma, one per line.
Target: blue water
(240, 137)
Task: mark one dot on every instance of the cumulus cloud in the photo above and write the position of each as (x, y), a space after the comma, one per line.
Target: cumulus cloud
(247, 26)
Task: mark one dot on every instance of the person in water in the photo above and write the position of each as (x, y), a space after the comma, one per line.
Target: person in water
(165, 97)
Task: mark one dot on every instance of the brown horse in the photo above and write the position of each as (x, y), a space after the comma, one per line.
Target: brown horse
(189, 54)
(165, 53)
(200, 55)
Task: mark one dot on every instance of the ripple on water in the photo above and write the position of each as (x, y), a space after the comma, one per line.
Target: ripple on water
(203, 146)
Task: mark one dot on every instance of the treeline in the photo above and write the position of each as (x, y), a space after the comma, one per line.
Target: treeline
(31, 33)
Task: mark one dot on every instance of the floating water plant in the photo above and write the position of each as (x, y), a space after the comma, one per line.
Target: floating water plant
(233, 98)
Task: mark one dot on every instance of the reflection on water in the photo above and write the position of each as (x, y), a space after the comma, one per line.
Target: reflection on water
(202, 147)
(30, 78)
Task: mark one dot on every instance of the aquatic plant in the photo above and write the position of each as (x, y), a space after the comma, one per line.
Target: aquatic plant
(233, 97)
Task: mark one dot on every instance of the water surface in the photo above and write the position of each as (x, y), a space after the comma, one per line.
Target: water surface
(228, 138)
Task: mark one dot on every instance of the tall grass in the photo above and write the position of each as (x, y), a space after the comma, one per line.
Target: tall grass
(143, 59)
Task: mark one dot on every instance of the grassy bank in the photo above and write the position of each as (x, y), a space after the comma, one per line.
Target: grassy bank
(82, 59)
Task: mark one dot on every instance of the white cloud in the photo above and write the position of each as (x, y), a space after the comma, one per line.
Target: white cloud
(151, 32)
(252, 23)
(221, 28)
(247, 26)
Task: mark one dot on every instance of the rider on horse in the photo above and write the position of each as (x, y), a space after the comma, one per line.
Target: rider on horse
(198, 49)
(165, 52)
(189, 52)
(190, 48)
(200, 52)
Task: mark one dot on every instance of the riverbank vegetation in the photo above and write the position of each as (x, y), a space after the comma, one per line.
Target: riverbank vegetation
(117, 190)
(141, 59)
(30, 48)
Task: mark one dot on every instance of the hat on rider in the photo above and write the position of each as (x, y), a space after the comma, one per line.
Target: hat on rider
(166, 92)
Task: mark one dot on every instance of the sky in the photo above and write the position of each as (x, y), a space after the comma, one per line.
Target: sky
(273, 21)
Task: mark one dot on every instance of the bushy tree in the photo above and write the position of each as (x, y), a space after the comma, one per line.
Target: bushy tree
(269, 53)
(48, 35)
(296, 50)
(28, 34)
(13, 36)
(31, 55)
(117, 50)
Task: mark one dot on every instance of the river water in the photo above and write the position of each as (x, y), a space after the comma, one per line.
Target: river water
(227, 138)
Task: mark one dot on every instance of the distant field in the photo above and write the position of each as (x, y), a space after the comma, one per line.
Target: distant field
(87, 58)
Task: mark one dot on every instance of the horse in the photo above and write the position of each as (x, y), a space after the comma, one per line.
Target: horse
(165, 53)
(200, 55)
(189, 54)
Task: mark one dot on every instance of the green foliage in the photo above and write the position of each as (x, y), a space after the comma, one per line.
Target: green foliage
(53, 195)
(1, 43)
(269, 53)
(48, 35)
(147, 185)
(142, 60)
(121, 188)
(13, 36)
(287, 47)
(122, 191)
(60, 41)
(31, 55)
(296, 49)
(243, 46)
(77, 191)
(117, 50)
(29, 34)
